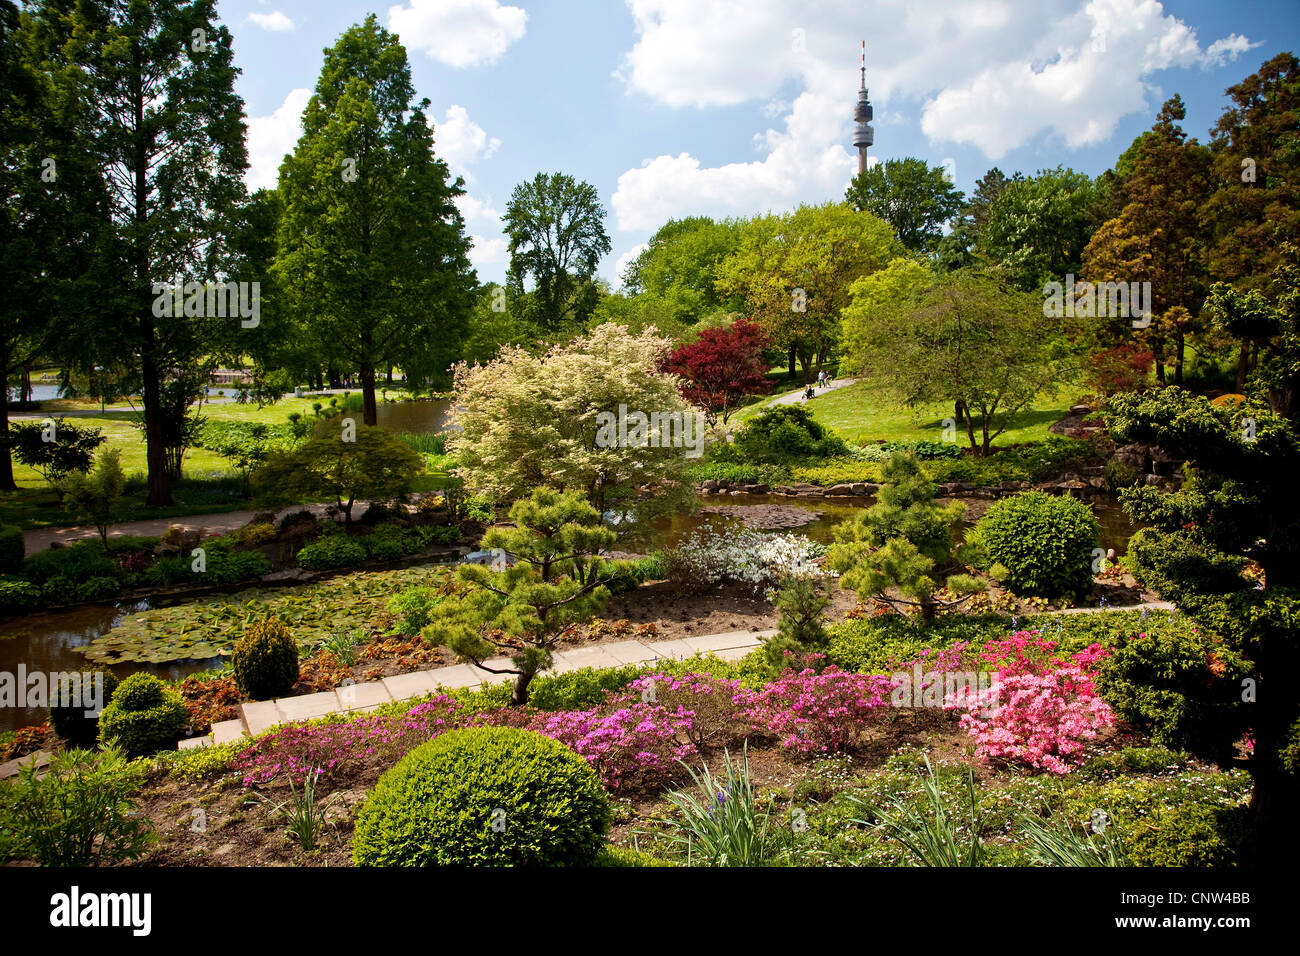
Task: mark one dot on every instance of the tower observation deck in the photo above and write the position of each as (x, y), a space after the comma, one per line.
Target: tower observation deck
(863, 135)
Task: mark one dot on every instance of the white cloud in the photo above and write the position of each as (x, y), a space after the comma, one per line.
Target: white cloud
(1226, 50)
(624, 259)
(461, 141)
(487, 252)
(273, 22)
(271, 137)
(458, 33)
(994, 75)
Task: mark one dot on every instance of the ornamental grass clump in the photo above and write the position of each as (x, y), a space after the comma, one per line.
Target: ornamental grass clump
(720, 823)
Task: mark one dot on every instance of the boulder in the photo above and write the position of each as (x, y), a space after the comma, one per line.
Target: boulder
(839, 491)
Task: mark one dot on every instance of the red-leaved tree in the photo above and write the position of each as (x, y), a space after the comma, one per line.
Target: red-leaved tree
(721, 366)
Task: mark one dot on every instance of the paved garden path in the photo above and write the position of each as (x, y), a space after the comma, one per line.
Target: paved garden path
(221, 522)
(259, 716)
(794, 398)
(254, 718)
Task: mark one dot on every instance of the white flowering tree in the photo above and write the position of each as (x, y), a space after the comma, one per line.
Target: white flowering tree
(531, 420)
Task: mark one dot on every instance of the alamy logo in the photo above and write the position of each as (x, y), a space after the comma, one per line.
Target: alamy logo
(656, 430)
(1120, 300)
(60, 689)
(210, 300)
(74, 908)
(977, 689)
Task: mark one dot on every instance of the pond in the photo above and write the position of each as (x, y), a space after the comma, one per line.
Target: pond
(418, 416)
(1116, 527)
(49, 642)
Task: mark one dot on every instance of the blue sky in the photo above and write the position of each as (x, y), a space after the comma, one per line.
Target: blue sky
(734, 107)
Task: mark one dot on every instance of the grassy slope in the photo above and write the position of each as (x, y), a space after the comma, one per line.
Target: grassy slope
(862, 414)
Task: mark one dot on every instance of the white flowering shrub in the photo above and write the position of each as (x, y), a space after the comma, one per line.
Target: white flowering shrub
(711, 557)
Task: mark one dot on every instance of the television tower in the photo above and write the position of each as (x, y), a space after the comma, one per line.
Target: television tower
(863, 134)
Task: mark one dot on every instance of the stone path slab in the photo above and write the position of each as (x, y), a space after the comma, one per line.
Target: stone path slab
(260, 716)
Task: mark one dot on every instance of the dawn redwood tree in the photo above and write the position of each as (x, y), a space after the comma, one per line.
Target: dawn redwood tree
(721, 366)
(166, 132)
(54, 237)
(1159, 237)
(372, 249)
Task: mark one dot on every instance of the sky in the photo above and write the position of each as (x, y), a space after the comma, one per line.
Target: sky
(673, 108)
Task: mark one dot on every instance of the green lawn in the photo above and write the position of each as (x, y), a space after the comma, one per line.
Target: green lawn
(861, 414)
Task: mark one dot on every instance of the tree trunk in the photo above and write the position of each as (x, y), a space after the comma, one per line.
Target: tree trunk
(371, 410)
(1178, 358)
(6, 460)
(519, 691)
(1242, 361)
(388, 377)
(791, 357)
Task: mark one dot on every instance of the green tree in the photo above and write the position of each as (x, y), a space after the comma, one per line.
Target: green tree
(98, 493)
(166, 134)
(900, 550)
(963, 339)
(1035, 229)
(556, 231)
(1225, 547)
(679, 268)
(342, 461)
(371, 244)
(1255, 144)
(794, 272)
(916, 199)
(55, 253)
(523, 610)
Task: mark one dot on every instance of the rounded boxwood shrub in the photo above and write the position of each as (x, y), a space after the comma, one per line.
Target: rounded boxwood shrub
(12, 549)
(265, 660)
(71, 721)
(144, 716)
(332, 551)
(485, 796)
(1039, 544)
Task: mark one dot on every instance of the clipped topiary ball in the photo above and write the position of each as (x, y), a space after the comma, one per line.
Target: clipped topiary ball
(265, 660)
(486, 796)
(75, 694)
(144, 717)
(1040, 544)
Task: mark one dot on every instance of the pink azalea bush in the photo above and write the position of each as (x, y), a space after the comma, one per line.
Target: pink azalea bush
(297, 749)
(811, 712)
(635, 746)
(1046, 707)
(715, 706)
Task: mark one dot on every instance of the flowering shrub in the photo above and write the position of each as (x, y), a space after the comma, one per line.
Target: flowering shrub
(636, 746)
(1046, 706)
(711, 556)
(715, 706)
(297, 749)
(812, 712)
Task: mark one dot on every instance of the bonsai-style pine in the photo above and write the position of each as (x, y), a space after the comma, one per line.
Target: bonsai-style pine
(900, 550)
(521, 611)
